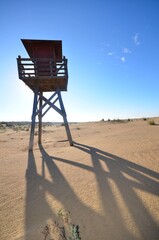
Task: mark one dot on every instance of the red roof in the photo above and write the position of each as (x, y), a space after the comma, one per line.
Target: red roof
(43, 48)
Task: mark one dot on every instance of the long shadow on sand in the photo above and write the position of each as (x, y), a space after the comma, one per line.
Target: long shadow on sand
(127, 178)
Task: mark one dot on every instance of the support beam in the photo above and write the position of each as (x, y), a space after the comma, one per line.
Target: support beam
(52, 105)
(33, 120)
(45, 104)
(40, 118)
(65, 118)
(49, 107)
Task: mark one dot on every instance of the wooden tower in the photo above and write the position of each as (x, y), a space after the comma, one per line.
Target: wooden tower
(44, 71)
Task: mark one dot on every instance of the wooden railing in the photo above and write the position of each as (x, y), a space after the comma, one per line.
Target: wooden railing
(41, 67)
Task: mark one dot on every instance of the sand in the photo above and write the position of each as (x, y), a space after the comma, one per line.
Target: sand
(109, 181)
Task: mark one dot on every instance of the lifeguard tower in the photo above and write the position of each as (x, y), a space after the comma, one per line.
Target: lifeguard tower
(44, 71)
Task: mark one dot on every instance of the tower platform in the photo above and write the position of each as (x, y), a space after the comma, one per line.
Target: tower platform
(43, 73)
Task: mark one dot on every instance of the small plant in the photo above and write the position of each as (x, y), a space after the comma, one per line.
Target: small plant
(67, 231)
(151, 122)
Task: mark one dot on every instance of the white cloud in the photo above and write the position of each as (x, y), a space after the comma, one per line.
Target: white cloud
(126, 50)
(111, 53)
(122, 59)
(136, 39)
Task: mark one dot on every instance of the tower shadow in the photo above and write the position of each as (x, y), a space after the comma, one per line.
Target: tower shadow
(125, 175)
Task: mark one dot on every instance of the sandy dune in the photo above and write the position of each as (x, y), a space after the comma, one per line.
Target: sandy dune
(109, 181)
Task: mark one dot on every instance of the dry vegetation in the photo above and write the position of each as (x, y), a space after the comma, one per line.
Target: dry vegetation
(63, 229)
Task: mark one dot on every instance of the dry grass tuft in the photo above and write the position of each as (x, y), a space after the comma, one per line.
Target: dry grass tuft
(65, 231)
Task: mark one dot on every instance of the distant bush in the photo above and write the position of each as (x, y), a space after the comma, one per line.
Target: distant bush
(145, 119)
(16, 128)
(3, 126)
(118, 121)
(151, 122)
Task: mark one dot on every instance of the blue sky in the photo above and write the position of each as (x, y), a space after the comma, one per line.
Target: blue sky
(112, 50)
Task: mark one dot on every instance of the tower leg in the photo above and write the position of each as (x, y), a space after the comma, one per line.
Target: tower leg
(40, 118)
(33, 121)
(65, 118)
(38, 111)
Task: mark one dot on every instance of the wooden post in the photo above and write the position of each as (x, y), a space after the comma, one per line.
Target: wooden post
(19, 66)
(65, 118)
(40, 118)
(33, 120)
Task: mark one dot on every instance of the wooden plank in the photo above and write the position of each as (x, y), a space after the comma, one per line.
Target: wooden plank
(26, 64)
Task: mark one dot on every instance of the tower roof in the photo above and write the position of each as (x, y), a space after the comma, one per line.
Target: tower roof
(43, 48)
